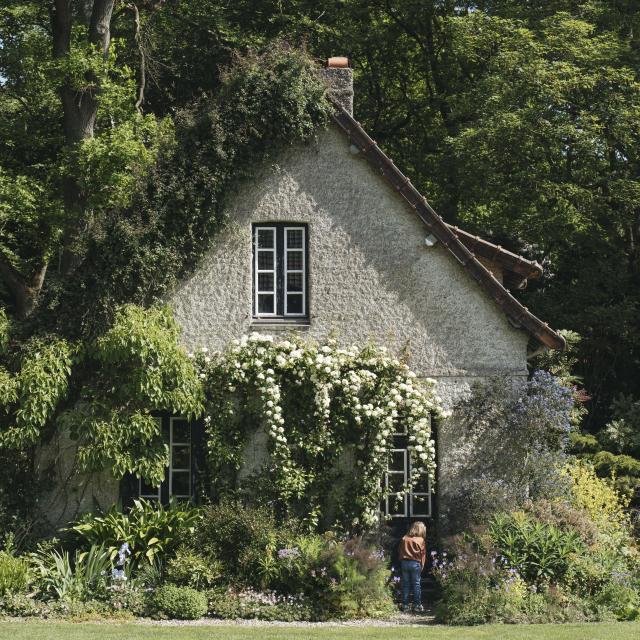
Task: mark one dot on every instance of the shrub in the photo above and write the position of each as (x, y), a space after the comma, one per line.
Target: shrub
(182, 603)
(260, 605)
(240, 538)
(150, 529)
(14, 574)
(73, 578)
(596, 496)
(258, 555)
(517, 432)
(20, 605)
(190, 569)
(540, 552)
(128, 599)
(343, 579)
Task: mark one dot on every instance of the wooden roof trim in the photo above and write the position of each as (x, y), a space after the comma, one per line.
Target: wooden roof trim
(506, 259)
(518, 314)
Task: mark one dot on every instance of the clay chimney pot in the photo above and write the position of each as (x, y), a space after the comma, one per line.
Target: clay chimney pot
(338, 62)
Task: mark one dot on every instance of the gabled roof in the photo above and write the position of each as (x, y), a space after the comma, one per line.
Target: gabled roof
(463, 246)
(519, 269)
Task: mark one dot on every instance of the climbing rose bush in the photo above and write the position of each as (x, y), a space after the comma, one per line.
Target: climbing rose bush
(316, 402)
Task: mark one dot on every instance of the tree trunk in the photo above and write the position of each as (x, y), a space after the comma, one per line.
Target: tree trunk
(80, 108)
(25, 291)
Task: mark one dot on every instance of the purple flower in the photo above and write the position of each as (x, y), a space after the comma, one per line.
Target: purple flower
(294, 552)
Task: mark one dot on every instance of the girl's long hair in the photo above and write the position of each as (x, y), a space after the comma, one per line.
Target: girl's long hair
(417, 530)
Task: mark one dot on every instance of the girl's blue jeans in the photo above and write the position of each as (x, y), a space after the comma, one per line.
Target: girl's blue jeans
(411, 571)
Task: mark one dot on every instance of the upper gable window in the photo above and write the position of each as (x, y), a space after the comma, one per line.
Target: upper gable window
(280, 270)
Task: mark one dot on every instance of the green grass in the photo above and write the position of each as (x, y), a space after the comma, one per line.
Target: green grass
(37, 630)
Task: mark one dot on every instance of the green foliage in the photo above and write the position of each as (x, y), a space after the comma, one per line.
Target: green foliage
(181, 603)
(32, 395)
(597, 496)
(540, 552)
(139, 367)
(518, 431)
(74, 578)
(239, 538)
(190, 569)
(151, 530)
(569, 559)
(318, 404)
(260, 605)
(275, 569)
(265, 101)
(5, 327)
(14, 574)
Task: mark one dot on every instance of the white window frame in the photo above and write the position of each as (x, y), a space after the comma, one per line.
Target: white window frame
(420, 494)
(303, 271)
(274, 252)
(172, 469)
(403, 473)
(408, 510)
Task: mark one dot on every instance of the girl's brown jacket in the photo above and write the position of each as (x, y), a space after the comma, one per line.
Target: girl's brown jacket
(413, 548)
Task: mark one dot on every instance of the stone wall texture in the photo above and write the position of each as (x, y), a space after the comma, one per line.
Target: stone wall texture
(371, 277)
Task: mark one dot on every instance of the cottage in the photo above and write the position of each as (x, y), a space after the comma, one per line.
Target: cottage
(333, 239)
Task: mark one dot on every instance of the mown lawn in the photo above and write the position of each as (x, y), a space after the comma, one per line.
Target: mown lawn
(31, 630)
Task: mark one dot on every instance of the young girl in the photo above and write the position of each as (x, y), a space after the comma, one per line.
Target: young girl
(412, 553)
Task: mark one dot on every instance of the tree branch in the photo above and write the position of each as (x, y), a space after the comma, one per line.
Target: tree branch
(138, 39)
(24, 291)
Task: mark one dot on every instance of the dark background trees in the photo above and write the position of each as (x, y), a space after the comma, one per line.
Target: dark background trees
(519, 121)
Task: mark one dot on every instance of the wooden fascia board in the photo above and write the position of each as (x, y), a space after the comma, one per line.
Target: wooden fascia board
(518, 314)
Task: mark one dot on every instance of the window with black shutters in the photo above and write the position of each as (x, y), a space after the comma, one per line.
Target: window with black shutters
(402, 502)
(179, 475)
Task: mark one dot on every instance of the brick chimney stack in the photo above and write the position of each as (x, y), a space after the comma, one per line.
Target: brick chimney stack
(339, 77)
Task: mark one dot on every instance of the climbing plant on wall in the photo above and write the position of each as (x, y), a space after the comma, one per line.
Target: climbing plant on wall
(102, 393)
(329, 414)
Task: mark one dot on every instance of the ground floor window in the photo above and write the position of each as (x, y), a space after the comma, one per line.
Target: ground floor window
(415, 503)
(180, 435)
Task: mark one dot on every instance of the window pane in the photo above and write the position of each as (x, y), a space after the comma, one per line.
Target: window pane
(265, 282)
(397, 461)
(294, 303)
(422, 486)
(181, 484)
(395, 482)
(294, 282)
(397, 505)
(265, 238)
(181, 431)
(419, 505)
(294, 260)
(265, 303)
(265, 260)
(181, 457)
(294, 238)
